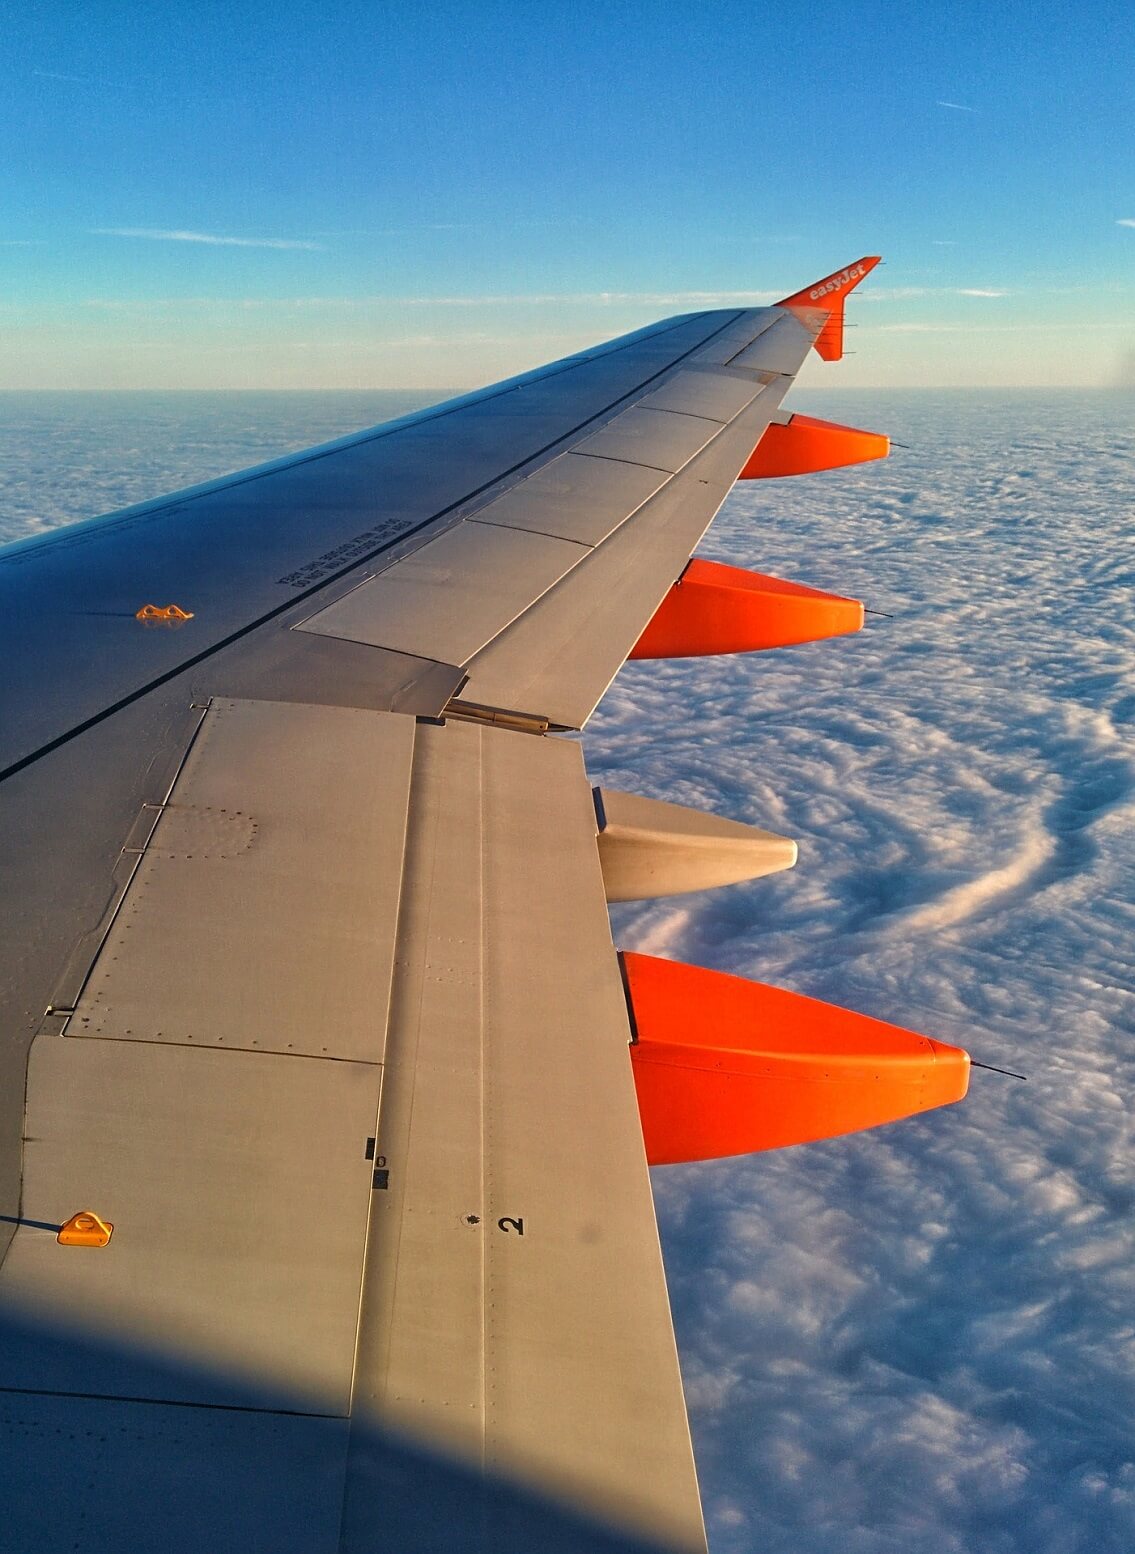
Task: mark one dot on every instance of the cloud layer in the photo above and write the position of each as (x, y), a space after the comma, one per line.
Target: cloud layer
(919, 1340)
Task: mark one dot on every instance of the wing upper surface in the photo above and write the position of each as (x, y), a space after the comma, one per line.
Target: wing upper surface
(245, 554)
(609, 524)
(335, 1033)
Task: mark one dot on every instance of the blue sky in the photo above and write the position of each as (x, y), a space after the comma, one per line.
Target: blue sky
(350, 195)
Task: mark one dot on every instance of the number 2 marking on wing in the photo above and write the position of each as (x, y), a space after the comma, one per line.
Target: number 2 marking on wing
(508, 1225)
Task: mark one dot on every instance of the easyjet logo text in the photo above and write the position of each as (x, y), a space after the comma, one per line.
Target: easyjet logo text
(838, 282)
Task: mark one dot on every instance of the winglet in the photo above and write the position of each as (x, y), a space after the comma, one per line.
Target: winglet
(827, 297)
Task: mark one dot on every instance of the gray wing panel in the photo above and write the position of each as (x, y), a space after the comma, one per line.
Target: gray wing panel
(376, 1158)
(736, 336)
(660, 439)
(781, 348)
(704, 394)
(212, 1093)
(245, 829)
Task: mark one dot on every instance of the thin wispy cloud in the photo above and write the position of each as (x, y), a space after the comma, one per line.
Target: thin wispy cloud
(432, 226)
(212, 239)
(906, 293)
(473, 301)
(491, 300)
(590, 298)
(991, 329)
(957, 107)
(1126, 221)
(426, 228)
(57, 75)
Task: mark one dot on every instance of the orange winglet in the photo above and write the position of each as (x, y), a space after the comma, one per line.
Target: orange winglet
(821, 305)
(802, 445)
(85, 1229)
(723, 1066)
(713, 608)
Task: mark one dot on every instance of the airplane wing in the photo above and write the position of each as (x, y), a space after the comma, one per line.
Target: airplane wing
(326, 1103)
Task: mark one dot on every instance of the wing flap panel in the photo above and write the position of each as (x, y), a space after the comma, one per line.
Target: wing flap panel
(734, 337)
(274, 805)
(575, 498)
(514, 1300)
(238, 1188)
(660, 439)
(446, 600)
(710, 394)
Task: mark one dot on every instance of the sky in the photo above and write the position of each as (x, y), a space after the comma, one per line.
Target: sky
(919, 1340)
(342, 195)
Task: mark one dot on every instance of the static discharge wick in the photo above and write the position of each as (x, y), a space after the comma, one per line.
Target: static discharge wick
(973, 1063)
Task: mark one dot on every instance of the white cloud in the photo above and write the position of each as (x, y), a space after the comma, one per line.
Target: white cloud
(991, 329)
(1126, 221)
(985, 890)
(958, 107)
(176, 235)
(57, 75)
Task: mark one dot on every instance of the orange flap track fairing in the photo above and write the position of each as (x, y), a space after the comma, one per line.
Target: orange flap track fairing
(802, 445)
(723, 1066)
(824, 301)
(713, 608)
